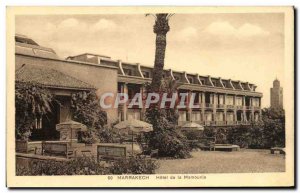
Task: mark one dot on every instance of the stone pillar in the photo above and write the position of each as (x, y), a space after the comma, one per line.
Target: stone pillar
(252, 109)
(225, 109)
(215, 99)
(260, 116)
(125, 90)
(235, 109)
(244, 108)
(189, 110)
(143, 110)
(203, 107)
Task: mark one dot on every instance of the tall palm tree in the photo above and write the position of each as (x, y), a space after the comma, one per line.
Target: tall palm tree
(161, 28)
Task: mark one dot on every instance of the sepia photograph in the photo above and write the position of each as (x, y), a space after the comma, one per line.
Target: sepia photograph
(150, 97)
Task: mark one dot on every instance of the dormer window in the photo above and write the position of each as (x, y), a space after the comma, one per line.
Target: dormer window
(177, 77)
(214, 82)
(191, 80)
(128, 72)
(146, 74)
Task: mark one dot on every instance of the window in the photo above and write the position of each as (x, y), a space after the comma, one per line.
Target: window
(219, 116)
(208, 116)
(197, 97)
(182, 116)
(182, 94)
(256, 117)
(146, 74)
(128, 72)
(132, 90)
(221, 99)
(133, 114)
(191, 80)
(229, 100)
(255, 102)
(226, 84)
(229, 116)
(239, 101)
(214, 82)
(196, 116)
(38, 123)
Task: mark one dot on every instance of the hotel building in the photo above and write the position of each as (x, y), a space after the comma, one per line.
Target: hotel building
(222, 102)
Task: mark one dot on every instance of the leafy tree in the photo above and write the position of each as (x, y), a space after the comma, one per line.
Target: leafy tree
(86, 109)
(32, 102)
(266, 133)
(274, 127)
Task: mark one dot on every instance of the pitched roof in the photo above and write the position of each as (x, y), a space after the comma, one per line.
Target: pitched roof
(49, 77)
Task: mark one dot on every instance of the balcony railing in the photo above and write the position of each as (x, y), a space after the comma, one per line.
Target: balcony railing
(239, 107)
(248, 107)
(221, 106)
(230, 106)
(252, 108)
(220, 123)
(256, 108)
(197, 104)
(180, 123)
(198, 122)
(209, 105)
(216, 123)
(231, 122)
(208, 123)
(246, 123)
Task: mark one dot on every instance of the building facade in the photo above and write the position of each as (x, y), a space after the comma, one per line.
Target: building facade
(276, 95)
(222, 102)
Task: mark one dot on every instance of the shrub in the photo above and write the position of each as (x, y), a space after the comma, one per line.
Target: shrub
(170, 144)
(267, 133)
(134, 165)
(87, 137)
(78, 166)
(221, 134)
(166, 138)
(88, 166)
(193, 135)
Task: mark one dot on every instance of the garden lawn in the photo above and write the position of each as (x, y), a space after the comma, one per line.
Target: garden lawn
(243, 161)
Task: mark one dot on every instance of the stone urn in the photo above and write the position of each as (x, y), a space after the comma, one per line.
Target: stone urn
(69, 130)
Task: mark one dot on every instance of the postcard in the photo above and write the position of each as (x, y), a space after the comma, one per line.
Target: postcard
(150, 97)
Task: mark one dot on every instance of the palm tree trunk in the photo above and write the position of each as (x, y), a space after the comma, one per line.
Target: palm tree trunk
(161, 29)
(159, 61)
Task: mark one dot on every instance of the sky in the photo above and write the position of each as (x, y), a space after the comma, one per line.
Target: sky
(240, 46)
